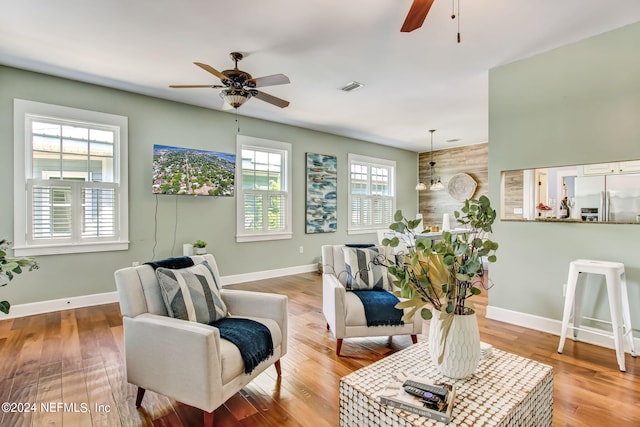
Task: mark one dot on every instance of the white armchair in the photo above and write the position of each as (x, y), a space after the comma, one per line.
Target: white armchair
(189, 361)
(344, 311)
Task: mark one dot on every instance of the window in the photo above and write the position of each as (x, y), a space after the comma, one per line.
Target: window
(70, 180)
(264, 190)
(371, 193)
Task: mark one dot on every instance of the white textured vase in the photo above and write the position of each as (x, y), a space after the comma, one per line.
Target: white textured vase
(461, 346)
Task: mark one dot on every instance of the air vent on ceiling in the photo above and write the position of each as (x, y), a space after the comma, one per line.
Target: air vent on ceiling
(351, 86)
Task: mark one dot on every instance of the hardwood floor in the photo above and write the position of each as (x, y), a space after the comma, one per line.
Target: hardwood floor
(75, 357)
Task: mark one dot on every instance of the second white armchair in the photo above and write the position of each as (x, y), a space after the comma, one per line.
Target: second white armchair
(343, 310)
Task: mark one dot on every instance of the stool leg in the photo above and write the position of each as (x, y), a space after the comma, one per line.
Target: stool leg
(613, 288)
(568, 304)
(626, 314)
(577, 303)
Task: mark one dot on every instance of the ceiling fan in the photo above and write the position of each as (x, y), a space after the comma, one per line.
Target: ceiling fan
(240, 85)
(416, 16)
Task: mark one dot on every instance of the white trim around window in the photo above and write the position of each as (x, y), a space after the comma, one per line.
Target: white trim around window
(372, 193)
(60, 209)
(263, 190)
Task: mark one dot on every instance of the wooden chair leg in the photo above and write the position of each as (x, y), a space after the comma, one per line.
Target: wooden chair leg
(139, 397)
(278, 368)
(208, 419)
(414, 338)
(338, 346)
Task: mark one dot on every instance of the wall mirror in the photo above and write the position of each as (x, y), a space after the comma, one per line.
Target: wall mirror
(599, 192)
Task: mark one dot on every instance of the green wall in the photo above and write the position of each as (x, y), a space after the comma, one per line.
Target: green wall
(156, 121)
(573, 105)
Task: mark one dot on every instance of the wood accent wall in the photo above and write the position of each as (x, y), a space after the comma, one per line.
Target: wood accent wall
(512, 191)
(472, 160)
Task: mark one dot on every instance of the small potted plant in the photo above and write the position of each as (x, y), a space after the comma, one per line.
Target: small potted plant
(200, 247)
(9, 267)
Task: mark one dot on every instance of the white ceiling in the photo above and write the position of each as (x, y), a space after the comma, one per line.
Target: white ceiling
(414, 81)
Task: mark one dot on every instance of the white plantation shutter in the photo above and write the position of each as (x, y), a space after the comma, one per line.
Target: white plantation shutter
(277, 212)
(356, 210)
(99, 210)
(51, 212)
(253, 212)
(382, 211)
(372, 193)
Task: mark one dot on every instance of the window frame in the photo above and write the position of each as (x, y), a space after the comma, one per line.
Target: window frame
(23, 113)
(371, 162)
(259, 144)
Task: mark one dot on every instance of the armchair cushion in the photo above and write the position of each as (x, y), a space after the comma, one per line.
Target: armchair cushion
(363, 269)
(192, 293)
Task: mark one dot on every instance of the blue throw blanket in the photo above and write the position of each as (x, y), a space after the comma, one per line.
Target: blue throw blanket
(379, 308)
(252, 338)
(172, 263)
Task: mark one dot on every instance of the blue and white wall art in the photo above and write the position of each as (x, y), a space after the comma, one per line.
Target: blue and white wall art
(322, 180)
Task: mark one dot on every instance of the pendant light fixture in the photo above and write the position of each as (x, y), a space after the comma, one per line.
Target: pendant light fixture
(436, 183)
(420, 186)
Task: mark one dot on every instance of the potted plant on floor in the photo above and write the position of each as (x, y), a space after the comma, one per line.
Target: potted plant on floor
(9, 267)
(440, 279)
(200, 247)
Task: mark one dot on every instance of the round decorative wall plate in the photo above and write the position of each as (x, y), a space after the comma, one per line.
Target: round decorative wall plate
(461, 186)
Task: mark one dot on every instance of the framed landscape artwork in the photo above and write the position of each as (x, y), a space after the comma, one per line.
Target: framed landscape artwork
(322, 179)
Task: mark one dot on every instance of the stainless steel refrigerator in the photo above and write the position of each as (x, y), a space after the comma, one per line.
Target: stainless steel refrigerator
(614, 198)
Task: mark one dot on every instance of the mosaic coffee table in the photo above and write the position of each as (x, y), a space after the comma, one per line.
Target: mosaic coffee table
(505, 390)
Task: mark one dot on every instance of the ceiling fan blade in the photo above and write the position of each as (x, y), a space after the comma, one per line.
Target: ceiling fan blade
(193, 86)
(275, 79)
(212, 70)
(271, 99)
(416, 16)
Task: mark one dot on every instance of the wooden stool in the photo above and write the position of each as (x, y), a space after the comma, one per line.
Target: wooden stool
(618, 303)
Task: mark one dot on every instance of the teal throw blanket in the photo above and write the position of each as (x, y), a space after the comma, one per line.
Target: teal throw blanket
(379, 308)
(252, 338)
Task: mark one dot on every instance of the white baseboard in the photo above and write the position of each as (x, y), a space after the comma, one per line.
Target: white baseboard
(268, 274)
(29, 309)
(552, 326)
(21, 310)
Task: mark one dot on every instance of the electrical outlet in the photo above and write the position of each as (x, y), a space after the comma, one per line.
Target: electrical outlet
(564, 289)
(301, 249)
(135, 263)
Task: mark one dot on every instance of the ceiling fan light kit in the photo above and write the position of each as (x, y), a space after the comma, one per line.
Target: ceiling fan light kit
(240, 85)
(235, 97)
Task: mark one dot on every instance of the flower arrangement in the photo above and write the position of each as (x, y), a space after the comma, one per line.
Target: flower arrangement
(10, 267)
(444, 275)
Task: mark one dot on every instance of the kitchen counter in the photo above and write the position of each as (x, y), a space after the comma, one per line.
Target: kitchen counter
(568, 220)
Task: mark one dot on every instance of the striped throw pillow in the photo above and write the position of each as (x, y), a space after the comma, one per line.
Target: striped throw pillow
(363, 269)
(192, 293)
